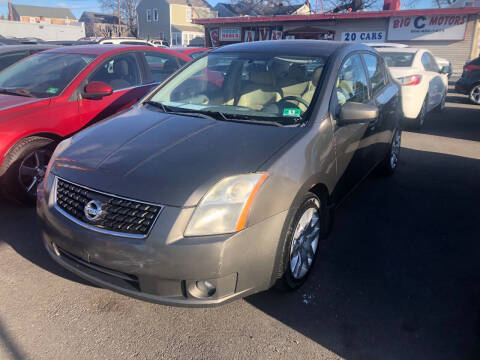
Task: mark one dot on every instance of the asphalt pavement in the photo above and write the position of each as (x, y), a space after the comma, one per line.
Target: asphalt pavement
(399, 278)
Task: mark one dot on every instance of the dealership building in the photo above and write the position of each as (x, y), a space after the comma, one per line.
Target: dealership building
(451, 33)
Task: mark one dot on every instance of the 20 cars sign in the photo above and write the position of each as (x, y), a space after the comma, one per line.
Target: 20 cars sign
(363, 36)
(428, 27)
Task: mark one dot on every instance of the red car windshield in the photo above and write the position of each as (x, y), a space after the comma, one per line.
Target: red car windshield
(43, 75)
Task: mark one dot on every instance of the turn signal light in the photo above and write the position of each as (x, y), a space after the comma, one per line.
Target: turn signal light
(471, 68)
(410, 80)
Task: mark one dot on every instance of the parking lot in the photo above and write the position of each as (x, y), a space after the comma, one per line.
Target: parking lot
(399, 278)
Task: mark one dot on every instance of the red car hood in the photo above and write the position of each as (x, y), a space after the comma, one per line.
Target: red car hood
(8, 101)
(15, 106)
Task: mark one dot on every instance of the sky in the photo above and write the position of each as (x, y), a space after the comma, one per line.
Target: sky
(79, 6)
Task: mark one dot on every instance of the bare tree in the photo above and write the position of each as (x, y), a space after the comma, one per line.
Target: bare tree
(128, 11)
(352, 5)
(262, 7)
(443, 3)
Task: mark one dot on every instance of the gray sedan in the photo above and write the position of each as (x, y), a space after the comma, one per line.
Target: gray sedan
(221, 182)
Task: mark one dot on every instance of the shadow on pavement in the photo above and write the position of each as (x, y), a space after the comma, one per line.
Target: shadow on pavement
(457, 121)
(12, 349)
(399, 278)
(21, 232)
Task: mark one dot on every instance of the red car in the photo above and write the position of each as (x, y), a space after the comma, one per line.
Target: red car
(51, 95)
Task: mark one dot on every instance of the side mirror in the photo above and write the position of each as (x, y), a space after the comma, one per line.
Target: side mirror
(354, 113)
(445, 70)
(96, 90)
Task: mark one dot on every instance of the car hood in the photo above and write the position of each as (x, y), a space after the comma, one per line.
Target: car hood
(12, 107)
(148, 155)
(10, 101)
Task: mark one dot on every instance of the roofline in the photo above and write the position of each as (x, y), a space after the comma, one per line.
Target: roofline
(338, 16)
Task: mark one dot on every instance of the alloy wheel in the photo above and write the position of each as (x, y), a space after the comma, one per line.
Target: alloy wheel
(475, 94)
(32, 169)
(395, 150)
(304, 243)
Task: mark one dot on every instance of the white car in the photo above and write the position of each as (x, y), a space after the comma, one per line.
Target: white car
(440, 61)
(424, 84)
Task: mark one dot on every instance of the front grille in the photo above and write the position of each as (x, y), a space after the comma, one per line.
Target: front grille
(117, 214)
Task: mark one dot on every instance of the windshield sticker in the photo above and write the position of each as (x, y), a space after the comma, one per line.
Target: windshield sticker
(291, 112)
(52, 90)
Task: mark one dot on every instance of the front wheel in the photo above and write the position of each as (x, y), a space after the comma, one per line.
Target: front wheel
(474, 94)
(25, 167)
(301, 244)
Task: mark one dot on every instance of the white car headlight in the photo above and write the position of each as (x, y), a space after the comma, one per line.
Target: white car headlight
(225, 207)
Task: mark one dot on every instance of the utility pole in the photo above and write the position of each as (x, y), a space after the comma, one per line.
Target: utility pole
(119, 23)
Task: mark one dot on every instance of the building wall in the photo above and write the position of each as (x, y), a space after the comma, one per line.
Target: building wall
(457, 52)
(32, 19)
(153, 29)
(47, 32)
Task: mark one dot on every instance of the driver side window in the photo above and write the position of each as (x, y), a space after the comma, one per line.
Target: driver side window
(352, 84)
(120, 72)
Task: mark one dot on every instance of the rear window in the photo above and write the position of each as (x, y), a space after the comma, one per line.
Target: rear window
(398, 59)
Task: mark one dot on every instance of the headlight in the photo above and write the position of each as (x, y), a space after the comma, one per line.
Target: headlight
(60, 147)
(225, 207)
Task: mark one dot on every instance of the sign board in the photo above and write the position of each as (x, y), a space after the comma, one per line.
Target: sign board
(428, 27)
(230, 34)
(277, 35)
(214, 37)
(249, 36)
(263, 34)
(364, 36)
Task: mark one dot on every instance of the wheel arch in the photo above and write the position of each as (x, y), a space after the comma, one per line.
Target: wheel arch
(48, 135)
(321, 190)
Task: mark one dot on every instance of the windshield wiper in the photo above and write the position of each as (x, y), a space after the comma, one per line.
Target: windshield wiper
(169, 110)
(16, 92)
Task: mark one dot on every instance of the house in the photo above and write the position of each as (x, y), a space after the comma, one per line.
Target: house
(171, 20)
(103, 25)
(243, 9)
(41, 14)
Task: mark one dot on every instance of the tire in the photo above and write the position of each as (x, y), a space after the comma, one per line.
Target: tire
(420, 120)
(440, 107)
(293, 273)
(24, 168)
(388, 166)
(474, 94)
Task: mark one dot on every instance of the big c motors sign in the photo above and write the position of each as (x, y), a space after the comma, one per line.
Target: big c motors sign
(427, 27)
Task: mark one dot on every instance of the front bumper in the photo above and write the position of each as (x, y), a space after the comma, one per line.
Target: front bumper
(164, 267)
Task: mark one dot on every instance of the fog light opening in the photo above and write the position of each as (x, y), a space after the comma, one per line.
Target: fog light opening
(202, 289)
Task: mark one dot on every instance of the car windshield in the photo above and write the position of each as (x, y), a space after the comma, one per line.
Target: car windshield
(398, 59)
(43, 75)
(242, 87)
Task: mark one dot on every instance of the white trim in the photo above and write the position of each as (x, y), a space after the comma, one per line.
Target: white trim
(149, 15)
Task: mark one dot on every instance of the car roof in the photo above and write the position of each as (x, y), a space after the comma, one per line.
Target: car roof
(399, 50)
(187, 48)
(9, 48)
(289, 47)
(102, 49)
